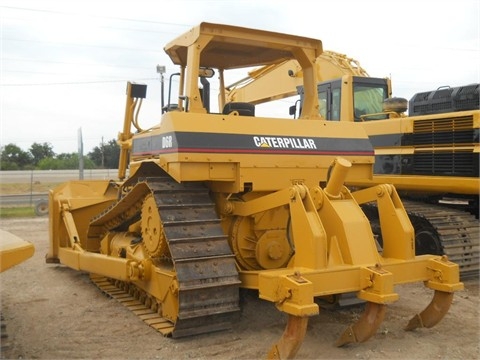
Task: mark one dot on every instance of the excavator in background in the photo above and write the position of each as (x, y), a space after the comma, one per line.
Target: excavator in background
(337, 75)
(431, 156)
(215, 202)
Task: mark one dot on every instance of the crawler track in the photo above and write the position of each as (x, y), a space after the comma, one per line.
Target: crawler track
(457, 231)
(441, 230)
(4, 341)
(198, 254)
(133, 302)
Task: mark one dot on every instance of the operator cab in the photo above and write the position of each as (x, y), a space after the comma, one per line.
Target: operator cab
(228, 48)
(204, 74)
(369, 95)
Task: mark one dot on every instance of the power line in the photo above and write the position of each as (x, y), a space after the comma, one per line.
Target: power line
(73, 63)
(129, 29)
(106, 77)
(94, 16)
(76, 82)
(81, 45)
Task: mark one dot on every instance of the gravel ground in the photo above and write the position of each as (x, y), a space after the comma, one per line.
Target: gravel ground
(53, 312)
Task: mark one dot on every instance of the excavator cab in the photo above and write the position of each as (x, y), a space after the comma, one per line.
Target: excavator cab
(351, 97)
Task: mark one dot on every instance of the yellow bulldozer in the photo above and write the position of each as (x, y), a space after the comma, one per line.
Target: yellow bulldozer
(215, 202)
(431, 155)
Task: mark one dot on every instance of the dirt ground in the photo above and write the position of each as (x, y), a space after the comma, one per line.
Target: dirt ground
(53, 312)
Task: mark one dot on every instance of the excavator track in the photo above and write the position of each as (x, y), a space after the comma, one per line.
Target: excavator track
(440, 230)
(457, 232)
(198, 254)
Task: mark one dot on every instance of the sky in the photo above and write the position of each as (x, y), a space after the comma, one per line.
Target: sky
(64, 65)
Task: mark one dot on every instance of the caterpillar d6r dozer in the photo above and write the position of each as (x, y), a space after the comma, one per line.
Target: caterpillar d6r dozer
(215, 202)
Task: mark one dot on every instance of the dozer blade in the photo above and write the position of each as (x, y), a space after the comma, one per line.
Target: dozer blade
(433, 313)
(291, 340)
(365, 327)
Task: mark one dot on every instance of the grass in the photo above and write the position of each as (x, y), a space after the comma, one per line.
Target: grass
(9, 211)
(25, 188)
(17, 211)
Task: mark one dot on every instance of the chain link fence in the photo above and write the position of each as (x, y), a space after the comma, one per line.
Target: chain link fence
(29, 184)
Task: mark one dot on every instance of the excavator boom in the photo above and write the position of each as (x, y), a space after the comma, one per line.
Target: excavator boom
(258, 87)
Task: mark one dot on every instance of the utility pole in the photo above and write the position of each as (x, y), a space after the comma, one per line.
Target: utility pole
(102, 149)
(161, 70)
(80, 154)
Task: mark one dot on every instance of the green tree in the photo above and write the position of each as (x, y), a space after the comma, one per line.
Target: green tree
(14, 158)
(41, 151)
(106, 155)
(64, 161)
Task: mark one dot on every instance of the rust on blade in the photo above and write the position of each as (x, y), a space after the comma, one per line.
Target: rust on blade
(365, 327)
(291, 340)
(433, 313)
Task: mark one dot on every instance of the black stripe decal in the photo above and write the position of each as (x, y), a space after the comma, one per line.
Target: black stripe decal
(248, 144)
(386, 140)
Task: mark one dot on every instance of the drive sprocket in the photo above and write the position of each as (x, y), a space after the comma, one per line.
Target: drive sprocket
(152, 229)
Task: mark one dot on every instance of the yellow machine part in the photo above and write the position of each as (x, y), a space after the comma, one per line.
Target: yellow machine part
(71, 207)
(13, 250)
